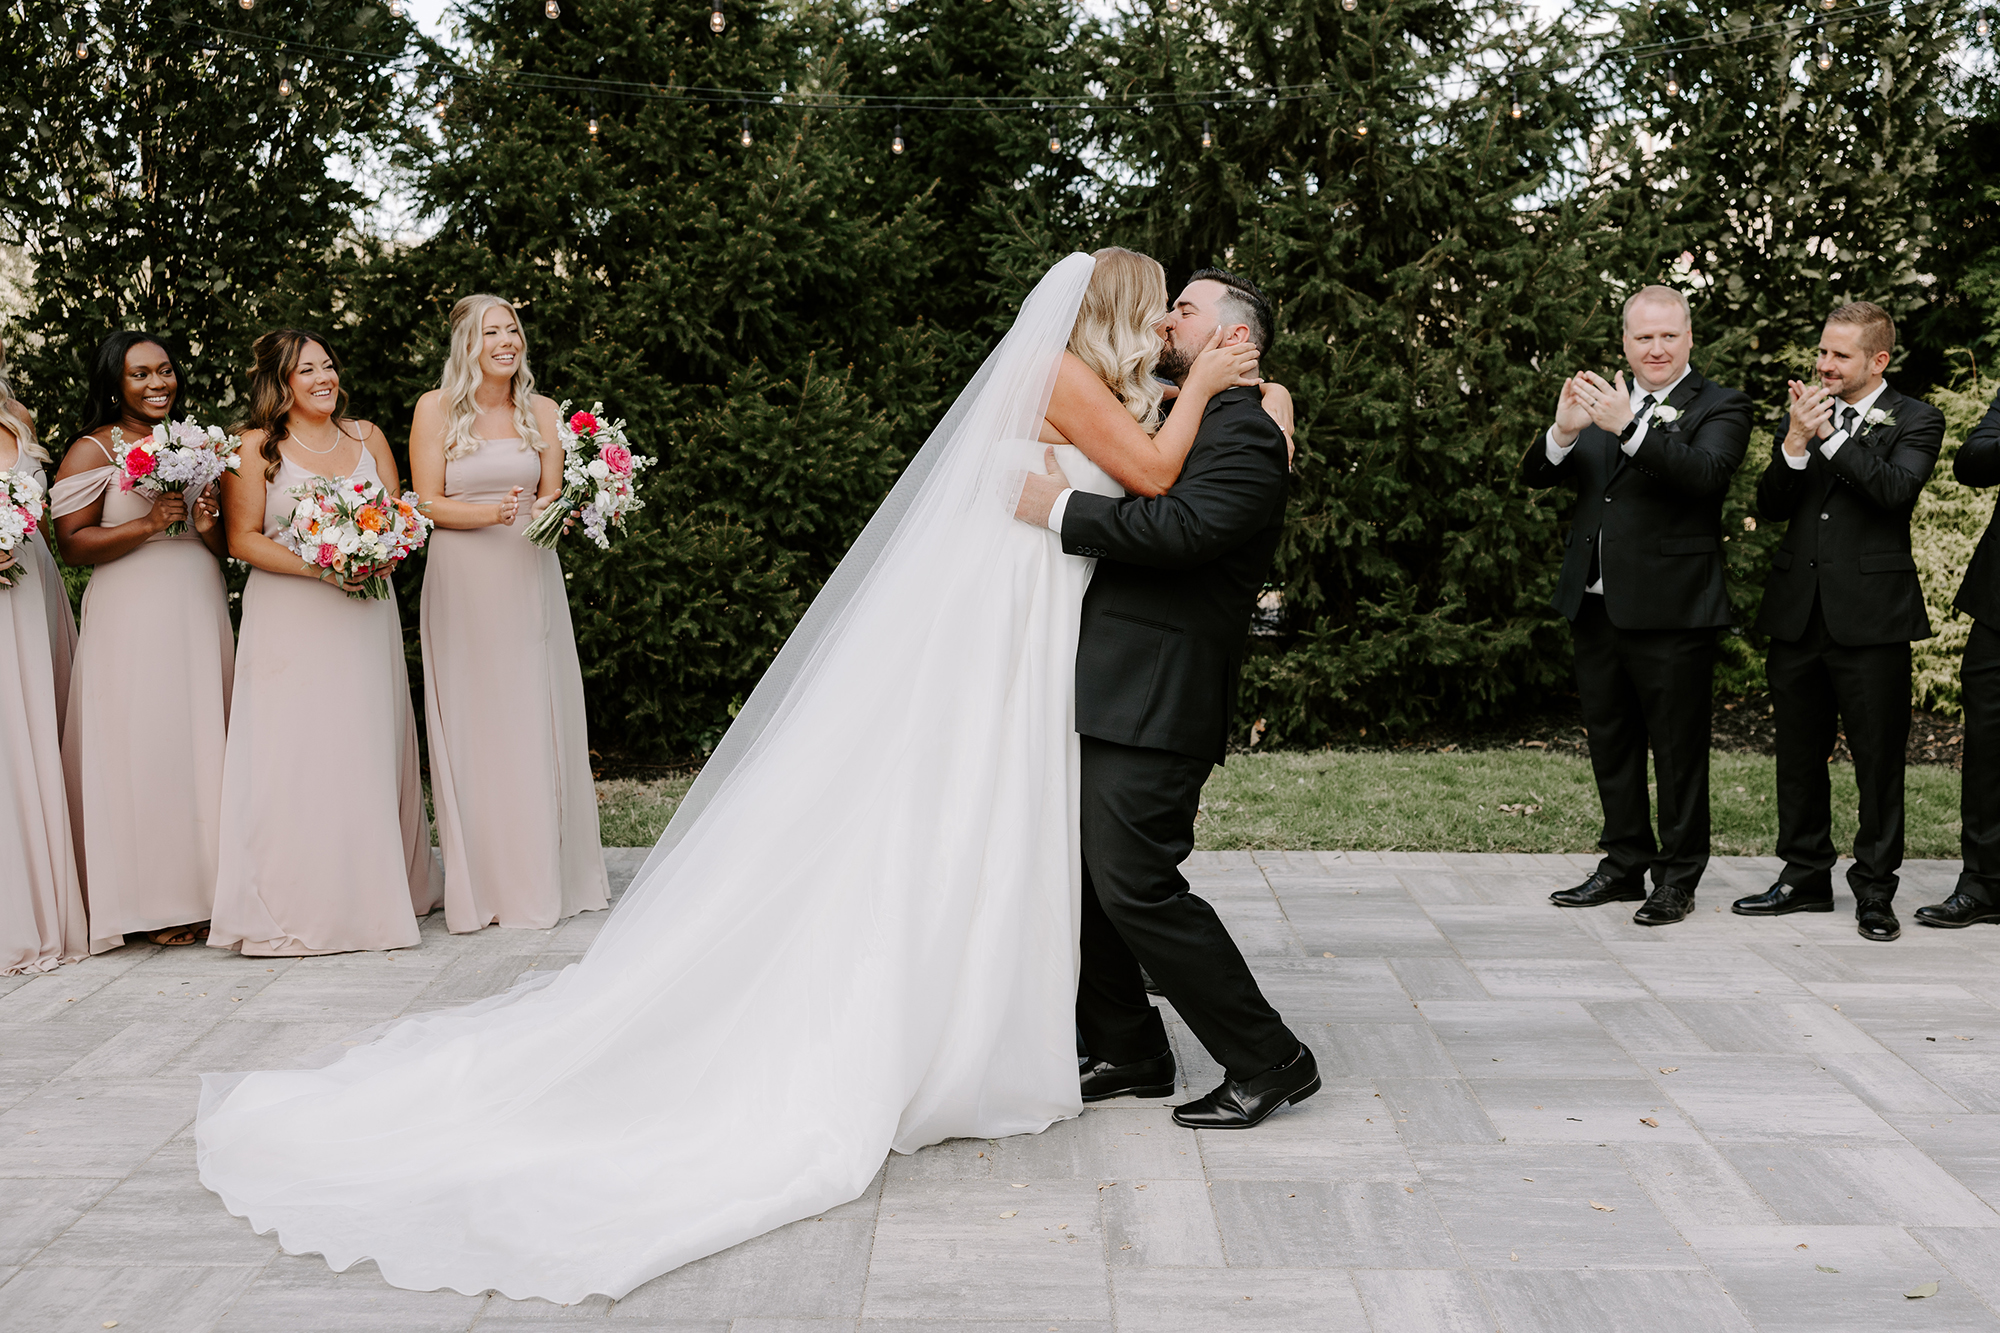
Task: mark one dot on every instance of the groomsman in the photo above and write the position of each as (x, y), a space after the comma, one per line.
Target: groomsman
(1841, 607)
(1976, 897)
(1642, 587)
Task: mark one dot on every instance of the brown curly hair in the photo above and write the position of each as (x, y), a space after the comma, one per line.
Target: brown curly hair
(273, 359)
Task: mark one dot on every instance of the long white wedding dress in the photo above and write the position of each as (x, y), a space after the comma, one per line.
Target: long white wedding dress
(859, 933)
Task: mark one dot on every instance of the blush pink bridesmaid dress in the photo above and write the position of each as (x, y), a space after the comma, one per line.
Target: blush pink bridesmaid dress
(324, 846)
(41, 898)
(503, 702)
(148, 713)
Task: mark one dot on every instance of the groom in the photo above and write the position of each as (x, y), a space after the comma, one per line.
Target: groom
(1158, 653)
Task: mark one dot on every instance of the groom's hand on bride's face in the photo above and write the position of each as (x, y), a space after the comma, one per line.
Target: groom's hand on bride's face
(1040, 489)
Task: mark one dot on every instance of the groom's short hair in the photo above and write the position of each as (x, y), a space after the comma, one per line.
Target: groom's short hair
(1242, 304)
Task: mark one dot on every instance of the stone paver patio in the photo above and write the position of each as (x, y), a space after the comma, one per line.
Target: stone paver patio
(1533, 1120)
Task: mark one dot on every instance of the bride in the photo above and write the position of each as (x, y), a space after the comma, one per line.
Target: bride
(858, 934)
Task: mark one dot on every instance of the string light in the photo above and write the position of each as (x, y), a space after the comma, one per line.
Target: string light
(745, 136)
(395, 9)
(591, 125)
(552, 10)
(1825, 60)
(896, 144)
(1984, 27)
(1515, 110)
(1055, 144)
(83, 50)
(716, 23)
(1673, 86)
(284, 86)
(1173, 6)
(894, 5)
(247, 4)
(440, 108)
(1347, 5)
(1361, 130)
(1207, 139)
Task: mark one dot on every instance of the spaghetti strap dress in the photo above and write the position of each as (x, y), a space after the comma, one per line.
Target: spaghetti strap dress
(144, 765)
(503, 704)
(324, 845)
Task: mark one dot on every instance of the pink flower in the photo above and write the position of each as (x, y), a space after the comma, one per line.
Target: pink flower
(325, 557)
(139, 463)
(583, 423)
(618, 458)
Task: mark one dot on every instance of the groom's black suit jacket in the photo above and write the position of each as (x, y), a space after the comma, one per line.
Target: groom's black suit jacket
(1168, 611)
(1978, 464)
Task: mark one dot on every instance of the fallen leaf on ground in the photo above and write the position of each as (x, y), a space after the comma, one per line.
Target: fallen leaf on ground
(1529, 1179)
(1513, 1256)
(1010, 1212)
(1017, 1187)
(1824, 1269)
(1800, 1246)
(1602, 1208)
(1918, 1293)
(1648, 1120)
(1670, 1069)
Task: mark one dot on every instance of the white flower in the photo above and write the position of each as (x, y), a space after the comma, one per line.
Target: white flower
(1666, 412)
(1877, 417)
(598, 469)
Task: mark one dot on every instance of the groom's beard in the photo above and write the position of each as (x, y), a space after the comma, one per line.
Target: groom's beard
(1174, 363)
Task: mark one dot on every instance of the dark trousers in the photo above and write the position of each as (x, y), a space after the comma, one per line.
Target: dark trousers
(1979, 799)
(1817, 687)
(1137, 825)
(1648, 690)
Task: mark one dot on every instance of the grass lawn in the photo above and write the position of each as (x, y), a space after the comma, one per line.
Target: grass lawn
(1485, 801)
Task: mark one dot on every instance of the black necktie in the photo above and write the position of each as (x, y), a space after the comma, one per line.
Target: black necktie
(1847, 420)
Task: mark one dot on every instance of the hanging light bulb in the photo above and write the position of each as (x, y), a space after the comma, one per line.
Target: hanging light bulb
(247, 4)
(1673, 86)
(1828, 4)
(1361, 130)
(1207, 139)
(745, 136)
(716, 23)
(284, 86)
(1514, 110)
(1825, 60)
(83, 50)
(395, 9)
(591, 125)
(440, 108)
(894, 5)
(551, 10)
(1055, 144)
(896, 144)
(1984, 27)
(1173, 6)
(1347, 5)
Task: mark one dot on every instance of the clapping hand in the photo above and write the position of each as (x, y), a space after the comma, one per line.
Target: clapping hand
(1812, 415)
(1609, 405)
(507, 508)
(1571, 414)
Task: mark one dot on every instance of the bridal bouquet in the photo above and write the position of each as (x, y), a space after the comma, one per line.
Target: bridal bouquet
(20, 515)
(604, 486)
(354, 530)
(178, 456)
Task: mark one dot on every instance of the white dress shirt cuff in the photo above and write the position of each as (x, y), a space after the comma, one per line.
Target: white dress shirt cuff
(1557, 452)
(1832, 445)
(1057, 510)
(1796, 462)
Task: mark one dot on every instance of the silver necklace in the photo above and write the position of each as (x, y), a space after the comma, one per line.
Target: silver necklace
(337, 438)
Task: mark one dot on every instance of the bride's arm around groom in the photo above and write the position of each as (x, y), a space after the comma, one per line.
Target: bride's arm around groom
(1161, 643)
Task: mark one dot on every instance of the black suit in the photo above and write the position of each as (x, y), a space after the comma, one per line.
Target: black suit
(1651, 524)
(1158, 653)
(1841, 606)
(1978, 464)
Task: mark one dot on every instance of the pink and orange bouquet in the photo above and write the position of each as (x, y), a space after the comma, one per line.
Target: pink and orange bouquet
(352, 530)
(178, 457)
(21, 502)
(600, 490)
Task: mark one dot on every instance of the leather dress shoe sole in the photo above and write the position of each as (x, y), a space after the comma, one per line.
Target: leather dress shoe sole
(1866, 934)
(1150, 1090)
(1991, 914)
(1809, 905)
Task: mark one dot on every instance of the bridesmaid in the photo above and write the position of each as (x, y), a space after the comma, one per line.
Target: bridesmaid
(144, 766)
(324, 843)
(41, 898)
(503, 691)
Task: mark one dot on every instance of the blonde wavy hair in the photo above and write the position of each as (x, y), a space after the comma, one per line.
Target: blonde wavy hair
(462, 376)
(1117, 333)
(13, 424)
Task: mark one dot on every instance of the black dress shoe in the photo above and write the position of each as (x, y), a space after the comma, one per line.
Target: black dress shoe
(1781, 898)
(1961, 909)
(1667, 905)
(1596, 890)
(1248, 1104)
(1874, 919)
(1103, 1080)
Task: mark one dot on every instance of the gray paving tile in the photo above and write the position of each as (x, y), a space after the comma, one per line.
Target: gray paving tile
(1783, 1287)
(1858, 1185)
(1555, 978)
(1972, 1254)
(1437, 979)
(1437, 1111)
(1160, 1223)
(1373, 925)
(811, 1269)
(1122, 1140)
(1779, 1026)
(1970, 1077)
(1380, 1050)
(42, 1298)
(1765, 1099)
(1644, 1025)
(159, 1216)
(1890, 1085)
(1335, 990)
(244, 1043)
(1514, 932)
(300, 1294)
(36, 1212)
(1968, 1146)
(93, 1127)
(946, 1251)
(1320, 1224)
(1693, 1184)
(1248, 1300)
(1259, 926)
(1435, 888)
(1535, 1206)
(1711, 972)
(1630, 1302)
(1805, 961)
(40, 1051)
(1583, 1110)
(1526, 1039)
(1418, 1300)
(1342, 1133)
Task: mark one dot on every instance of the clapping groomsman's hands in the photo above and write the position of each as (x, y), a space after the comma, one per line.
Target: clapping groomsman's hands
(1811, 413)
(1610, 405)
(1571, 415)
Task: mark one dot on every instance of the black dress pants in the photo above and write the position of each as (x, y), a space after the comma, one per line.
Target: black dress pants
(1647, 690)
(1818, 686)
(1137, 825)
(1979, 800)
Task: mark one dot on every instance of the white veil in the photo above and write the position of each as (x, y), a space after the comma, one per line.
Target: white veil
(858, 932)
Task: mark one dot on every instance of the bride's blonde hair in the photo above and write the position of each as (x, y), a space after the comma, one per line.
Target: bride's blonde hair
(13, 424)
(1117, 333)
(462, 376)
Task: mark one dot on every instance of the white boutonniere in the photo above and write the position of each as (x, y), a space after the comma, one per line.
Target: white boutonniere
(1877, 417)
(1666, 414)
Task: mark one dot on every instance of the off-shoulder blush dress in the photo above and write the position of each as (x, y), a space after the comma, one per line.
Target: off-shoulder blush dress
(148, 713)
(503, 702)
(324, 847)
(41, 898)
